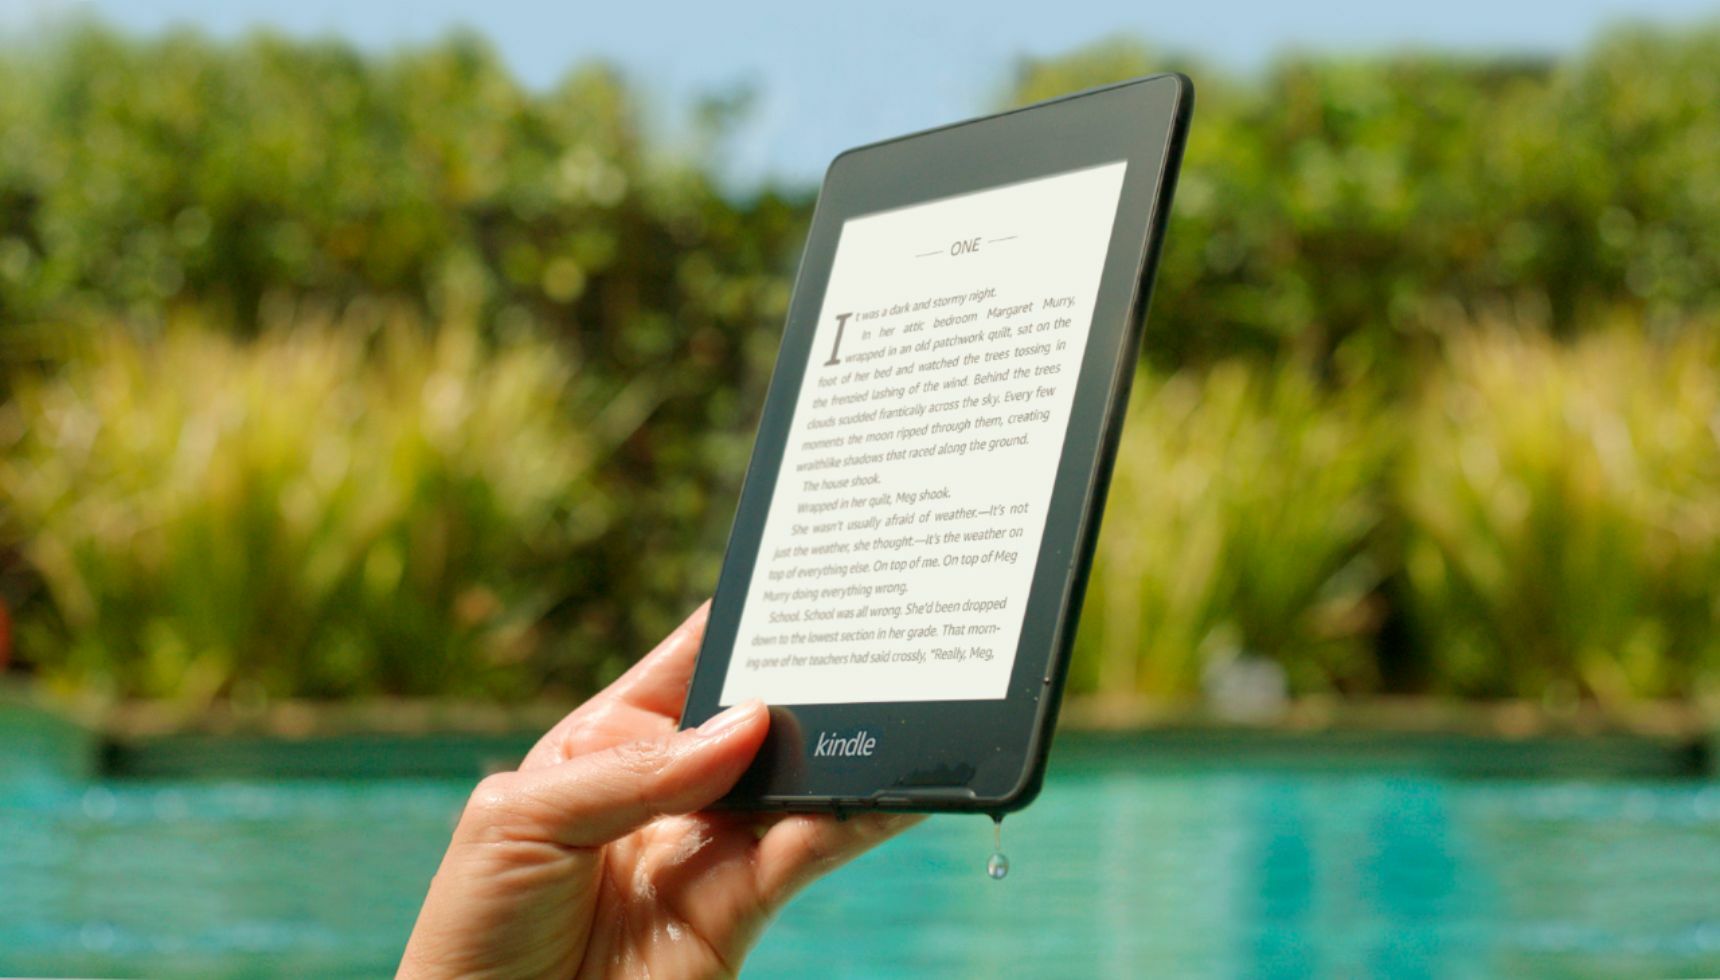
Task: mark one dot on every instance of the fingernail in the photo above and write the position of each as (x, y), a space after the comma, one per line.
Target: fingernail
(733, 717)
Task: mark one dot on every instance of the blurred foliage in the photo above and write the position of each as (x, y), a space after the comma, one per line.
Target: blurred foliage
(1546, 513)
(238, 180)
(1240, 517)
(225, 264)
(1563, 507)
(333, 509)
(1346, 211)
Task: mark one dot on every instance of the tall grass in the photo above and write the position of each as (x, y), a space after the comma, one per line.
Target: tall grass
(1546, 515)
(328, 510)
(376, 508)
(1563, 510)
(1239, 521)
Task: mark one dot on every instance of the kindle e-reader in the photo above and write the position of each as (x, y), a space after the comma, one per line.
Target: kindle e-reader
(913, 535)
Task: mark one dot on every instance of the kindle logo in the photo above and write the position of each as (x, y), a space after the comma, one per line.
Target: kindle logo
(861, 743)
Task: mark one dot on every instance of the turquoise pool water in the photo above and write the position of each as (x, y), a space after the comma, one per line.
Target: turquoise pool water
(1119, 870)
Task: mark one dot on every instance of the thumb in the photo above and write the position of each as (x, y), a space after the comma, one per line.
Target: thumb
(593, 799)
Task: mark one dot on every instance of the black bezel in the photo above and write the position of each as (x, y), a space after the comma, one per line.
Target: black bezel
(986, 756)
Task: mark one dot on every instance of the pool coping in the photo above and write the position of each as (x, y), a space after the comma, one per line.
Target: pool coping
(446, 739)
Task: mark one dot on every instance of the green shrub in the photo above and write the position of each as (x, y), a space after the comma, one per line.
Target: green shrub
(1563, 515)
(1339, 218)
(144, 176)
(1347, 210)
(1239, 520)
(332, 509)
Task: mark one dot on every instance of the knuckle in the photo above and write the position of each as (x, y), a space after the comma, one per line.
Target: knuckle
(495, 796)
(503, 808)
(648, 757)
(494, 789)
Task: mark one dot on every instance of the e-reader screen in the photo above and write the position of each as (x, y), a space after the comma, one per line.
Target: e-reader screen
(898, 549)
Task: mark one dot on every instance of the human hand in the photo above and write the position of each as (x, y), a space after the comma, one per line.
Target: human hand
(592, 859)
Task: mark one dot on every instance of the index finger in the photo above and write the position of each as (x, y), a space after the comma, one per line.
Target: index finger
(658, 682)
(644, 702)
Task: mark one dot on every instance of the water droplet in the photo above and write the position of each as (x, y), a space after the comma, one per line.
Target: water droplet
(998, 865)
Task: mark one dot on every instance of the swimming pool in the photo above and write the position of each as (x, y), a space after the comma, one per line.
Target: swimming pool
(1119, 869)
